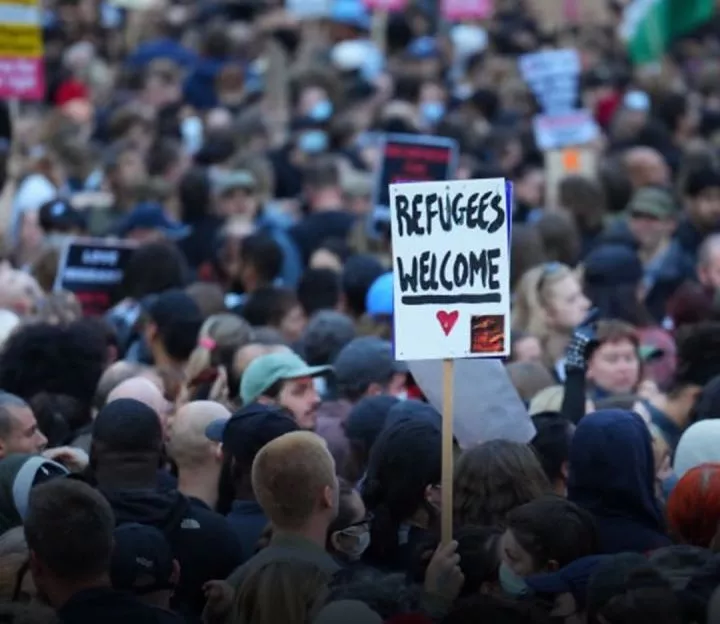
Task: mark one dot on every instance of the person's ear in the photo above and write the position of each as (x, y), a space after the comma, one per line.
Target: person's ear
(565, 470)
(335, 540)
(175, 576)
(374, 389)
(151, 331)
(328, 497)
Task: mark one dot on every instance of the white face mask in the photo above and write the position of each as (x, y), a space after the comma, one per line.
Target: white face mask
(362, 542)
(402, 396)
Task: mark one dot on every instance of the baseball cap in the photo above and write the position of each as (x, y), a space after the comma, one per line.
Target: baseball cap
(59, 215)
(612, 264)
(151, 216)
(366, 360)
(413, 410)
(350, 13)
(224, 181)
(367, 418)
(379, 300)
(701, 180)
(249, 429)
(142, 559)
(652, 202)
(573, 578)
(127, 425)
(173, 307)
(267, 370)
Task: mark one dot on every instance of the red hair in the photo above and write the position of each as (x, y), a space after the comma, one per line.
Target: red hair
(693, 509)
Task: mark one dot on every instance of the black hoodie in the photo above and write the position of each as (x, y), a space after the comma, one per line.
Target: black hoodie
(203, 543)
(112, 607)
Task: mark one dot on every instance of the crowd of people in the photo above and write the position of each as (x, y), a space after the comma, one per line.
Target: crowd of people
(233, 441)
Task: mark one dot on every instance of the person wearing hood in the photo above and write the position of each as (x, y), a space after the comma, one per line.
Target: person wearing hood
(19, 473)
(612, 475)
(125, 454)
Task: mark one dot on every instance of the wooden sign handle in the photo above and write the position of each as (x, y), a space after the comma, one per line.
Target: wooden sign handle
(447, 451)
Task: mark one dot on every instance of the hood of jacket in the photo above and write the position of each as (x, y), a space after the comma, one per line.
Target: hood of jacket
(164, 510)
(612, 468)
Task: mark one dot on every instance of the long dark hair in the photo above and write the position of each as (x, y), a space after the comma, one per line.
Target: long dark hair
(404, 460)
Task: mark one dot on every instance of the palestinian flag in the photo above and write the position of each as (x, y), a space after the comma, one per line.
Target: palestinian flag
(650, 26)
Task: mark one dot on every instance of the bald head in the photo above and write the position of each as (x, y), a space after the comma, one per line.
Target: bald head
(113, 376)
(646, 167)
(188, 445)
(293, 478)
(143, 390)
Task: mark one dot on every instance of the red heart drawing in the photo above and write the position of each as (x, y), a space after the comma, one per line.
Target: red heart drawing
(447, 320)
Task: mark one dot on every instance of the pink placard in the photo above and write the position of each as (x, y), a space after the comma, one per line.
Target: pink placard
(392, 6)
(458, 10)
(22, 78)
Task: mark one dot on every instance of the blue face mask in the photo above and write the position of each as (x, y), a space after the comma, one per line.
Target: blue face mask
(321, 111)
(313, 141)
(432, 112)
(511, 583)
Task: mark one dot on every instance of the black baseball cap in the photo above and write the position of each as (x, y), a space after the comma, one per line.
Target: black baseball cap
(142, 560)
(173, 307)
(58, 215)
(367, 418)
(127, 426)
(249, 429)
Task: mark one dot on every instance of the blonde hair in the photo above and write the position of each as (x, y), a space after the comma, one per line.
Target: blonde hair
(291, 592)
(288, 475)
(533, 296)
(547, 400)
(219, 337)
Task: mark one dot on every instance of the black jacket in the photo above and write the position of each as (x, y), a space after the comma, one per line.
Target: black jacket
(202, 541)
(112, 607)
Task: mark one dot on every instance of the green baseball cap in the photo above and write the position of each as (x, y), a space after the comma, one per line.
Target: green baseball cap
(653, 202)
(267, 370)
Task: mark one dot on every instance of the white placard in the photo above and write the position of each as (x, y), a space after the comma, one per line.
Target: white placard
(486, 405)
(452, 269)
(309, 9)
(570, 129)
(553, 77)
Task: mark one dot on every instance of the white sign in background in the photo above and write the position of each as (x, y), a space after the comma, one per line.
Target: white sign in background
(553, 77)
(452, 269)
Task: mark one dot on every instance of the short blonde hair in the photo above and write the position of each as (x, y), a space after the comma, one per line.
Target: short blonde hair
(289, 474)
(533, 296)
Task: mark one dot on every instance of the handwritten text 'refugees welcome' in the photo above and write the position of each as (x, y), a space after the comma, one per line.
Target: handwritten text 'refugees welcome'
(461, 273)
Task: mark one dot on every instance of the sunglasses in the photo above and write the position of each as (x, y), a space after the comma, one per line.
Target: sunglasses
(548, 270)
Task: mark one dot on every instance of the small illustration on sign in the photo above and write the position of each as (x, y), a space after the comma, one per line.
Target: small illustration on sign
(487, 334)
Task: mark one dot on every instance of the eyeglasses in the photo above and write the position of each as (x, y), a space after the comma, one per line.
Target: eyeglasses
(360, 524)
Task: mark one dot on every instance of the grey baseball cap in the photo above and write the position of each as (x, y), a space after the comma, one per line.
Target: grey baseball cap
(366, 360)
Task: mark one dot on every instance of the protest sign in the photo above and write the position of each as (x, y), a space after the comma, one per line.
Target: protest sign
(409, 158)
(553, 77)
(558, 131)
(21, 50)
(569, 161)
(459, 10)
(93, 270)
(452, 268)
(391, 6)
(486, 405)
(309, 9)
